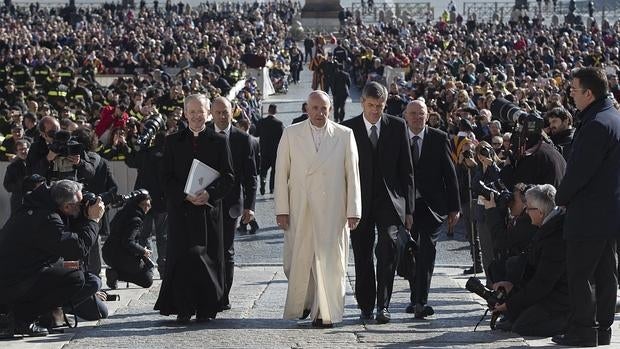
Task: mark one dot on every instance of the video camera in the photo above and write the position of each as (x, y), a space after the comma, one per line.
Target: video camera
(503, 197)
(151, 126)
(527, 127)
(113, 199)
(64, 144)
(493, 298)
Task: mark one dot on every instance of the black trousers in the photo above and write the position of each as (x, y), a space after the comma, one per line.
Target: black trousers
(91, 308)
(54, 287)
(539, 321)
(267, 162)
(425, 229)
(156, 223)
(339, 102)
(229, 254)
(588, 261)
(369, 287)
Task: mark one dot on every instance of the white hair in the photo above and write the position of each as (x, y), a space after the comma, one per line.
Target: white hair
(541, 197)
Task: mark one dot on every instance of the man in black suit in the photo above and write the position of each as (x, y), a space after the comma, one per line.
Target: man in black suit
(244, 125)
(240, 200)
(436, 196)
(269, 130)
(590, 191)
(303, 116)
(340, 91)
(386, 177)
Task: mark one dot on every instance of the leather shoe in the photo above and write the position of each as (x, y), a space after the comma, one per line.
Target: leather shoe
(365, 316)
(111, 278)
(478, 270)
(383, 316)
(422, 311)
(573, 339)
(225, 307)
(410, 309)
(504, 324)
(318, 323)
(305, 314)
(32, 329)
(604, 336)
(183, 319)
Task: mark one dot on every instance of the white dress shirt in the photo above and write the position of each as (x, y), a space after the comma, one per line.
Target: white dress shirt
(226, 130)
(369, 125)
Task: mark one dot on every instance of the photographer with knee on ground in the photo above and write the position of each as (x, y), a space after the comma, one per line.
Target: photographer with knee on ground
(40, 247)
(538, 303)
(127, 260)
(510, 226)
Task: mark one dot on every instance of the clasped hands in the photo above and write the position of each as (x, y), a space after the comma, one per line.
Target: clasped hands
(283, 222)
(199, 199)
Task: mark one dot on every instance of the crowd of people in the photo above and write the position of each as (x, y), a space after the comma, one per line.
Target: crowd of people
(499, 125)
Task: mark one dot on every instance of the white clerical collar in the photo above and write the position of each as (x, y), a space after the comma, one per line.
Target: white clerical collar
(226, 130)
(318, 129)
(196, 133)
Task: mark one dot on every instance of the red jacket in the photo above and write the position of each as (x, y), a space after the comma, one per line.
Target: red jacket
(107, 120)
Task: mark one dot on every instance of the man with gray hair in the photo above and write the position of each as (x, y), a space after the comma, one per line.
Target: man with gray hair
(39, 249)
(538, 303)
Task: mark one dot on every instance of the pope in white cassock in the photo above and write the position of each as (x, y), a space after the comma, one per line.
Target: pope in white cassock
(318, 200)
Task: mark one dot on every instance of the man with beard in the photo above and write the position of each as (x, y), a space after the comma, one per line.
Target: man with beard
(562, 130)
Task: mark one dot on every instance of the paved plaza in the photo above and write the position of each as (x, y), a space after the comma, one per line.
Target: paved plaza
(259, 291)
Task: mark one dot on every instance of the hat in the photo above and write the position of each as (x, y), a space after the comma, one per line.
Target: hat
(465, 125)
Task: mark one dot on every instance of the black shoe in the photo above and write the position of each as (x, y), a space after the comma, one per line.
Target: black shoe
(203, 319)
(478, 270)
(111, 278)
(422, 311)
(365, 316)
(573, 339)
(262, 188)
(242, 229)
(504, 324)
(305, 314)
(32, 330)
(183, 319)
(318, 323)
(383, 316)
(410, 309)
(225, 307)
(604, 336)
(253, 228)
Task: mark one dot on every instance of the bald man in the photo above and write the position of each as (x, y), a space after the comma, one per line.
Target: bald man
(318, 200)
(436, 198)
(240, 200)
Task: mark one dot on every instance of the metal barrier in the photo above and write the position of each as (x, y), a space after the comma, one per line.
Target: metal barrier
(501, 11)
(381, 11)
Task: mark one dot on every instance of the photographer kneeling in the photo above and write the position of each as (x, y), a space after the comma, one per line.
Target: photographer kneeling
(52, 225)
(126, 259)
(537, 303)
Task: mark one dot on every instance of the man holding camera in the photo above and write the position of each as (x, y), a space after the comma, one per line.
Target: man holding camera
(591, 230)
(538, 303)
(52, 226)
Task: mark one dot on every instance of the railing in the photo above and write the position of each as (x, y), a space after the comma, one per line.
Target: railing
(381, 11)
(501, 11)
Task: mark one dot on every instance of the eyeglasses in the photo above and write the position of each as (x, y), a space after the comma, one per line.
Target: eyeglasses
(573, 89)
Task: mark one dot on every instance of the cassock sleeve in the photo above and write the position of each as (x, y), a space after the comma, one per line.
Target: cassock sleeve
(283, 167)
(354, 193)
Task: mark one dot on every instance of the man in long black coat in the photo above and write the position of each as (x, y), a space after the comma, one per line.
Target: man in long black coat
(340, 91)
(240, 199)
(269, 130)
(437, 198)
(590, 191)
(193, 284)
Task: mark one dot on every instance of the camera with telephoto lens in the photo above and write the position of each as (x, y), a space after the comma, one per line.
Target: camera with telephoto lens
(64, 144)
(493, 298)
(151, 126)
(501, 194)
(110, 198)
(527, 127)
(468, 154)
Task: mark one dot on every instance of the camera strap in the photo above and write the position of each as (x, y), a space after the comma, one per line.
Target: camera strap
(482, 318)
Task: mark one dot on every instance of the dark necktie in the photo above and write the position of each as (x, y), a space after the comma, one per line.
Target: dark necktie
(415, 149)
(223, 132)
(374, 138)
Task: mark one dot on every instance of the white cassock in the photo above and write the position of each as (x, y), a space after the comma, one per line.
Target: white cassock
(319, 190)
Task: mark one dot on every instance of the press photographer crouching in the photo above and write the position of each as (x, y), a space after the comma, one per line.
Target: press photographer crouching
(40, 249)
(537, 303)
(127, 260)
(510, 226)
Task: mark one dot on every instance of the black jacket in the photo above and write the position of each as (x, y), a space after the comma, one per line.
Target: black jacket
(591, 186)
(14, 180)
(545, 166)
(545, 272)
(394, 161)
(122, 249)
(511, 236)
(269, 130)
(36, 236)
(149, 164)
(564, 141)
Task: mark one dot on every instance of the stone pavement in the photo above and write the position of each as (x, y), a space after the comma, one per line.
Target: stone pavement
(255, 321)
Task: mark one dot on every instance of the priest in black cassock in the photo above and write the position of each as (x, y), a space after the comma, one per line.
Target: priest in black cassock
(193, 283)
